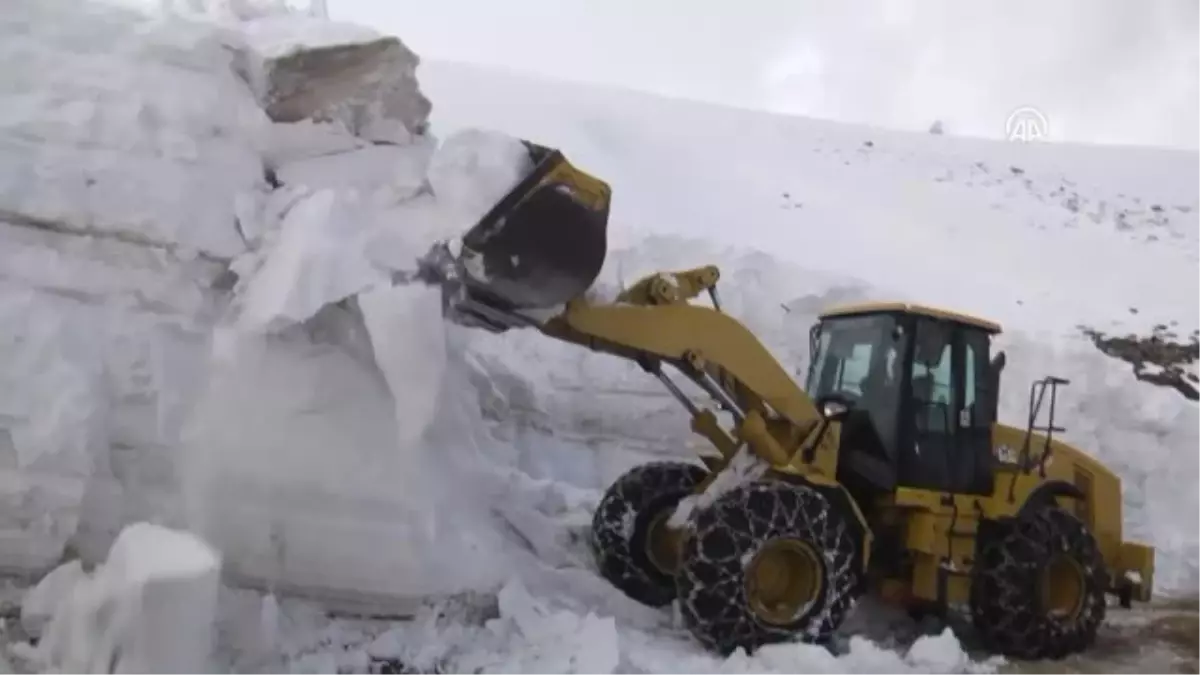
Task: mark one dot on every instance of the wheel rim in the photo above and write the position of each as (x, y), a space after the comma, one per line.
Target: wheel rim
(1064, 585)
(663, 543)
(783, 580)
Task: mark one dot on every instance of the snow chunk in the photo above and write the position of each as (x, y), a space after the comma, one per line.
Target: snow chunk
(149, 608)
(338, 241)
(304, 67)
(225, 10)
(392, 173)
(273, 36)
(559, 642)
(318, 259)
(40, 603)
(941, 653)
(474, 169)
(745, 467)
(409, 341)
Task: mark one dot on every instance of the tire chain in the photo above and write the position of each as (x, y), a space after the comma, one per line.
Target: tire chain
(1005, 594)
(711, 582)
(626, 507)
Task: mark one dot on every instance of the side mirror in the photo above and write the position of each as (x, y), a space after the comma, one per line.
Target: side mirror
(997, 364)
(834, 408)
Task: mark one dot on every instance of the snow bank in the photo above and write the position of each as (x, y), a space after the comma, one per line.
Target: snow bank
(150, 607)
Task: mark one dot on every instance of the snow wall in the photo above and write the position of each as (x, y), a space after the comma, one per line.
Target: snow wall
(200, 329)
(173, 255)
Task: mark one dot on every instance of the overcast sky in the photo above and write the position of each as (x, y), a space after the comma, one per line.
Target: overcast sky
(1105, 71)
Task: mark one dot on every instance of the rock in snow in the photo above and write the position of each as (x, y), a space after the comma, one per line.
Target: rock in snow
(309, 68)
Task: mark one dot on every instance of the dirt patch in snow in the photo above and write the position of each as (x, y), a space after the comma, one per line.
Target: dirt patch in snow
(1162, 358)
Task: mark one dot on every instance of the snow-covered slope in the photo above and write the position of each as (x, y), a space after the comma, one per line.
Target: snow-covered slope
(201, 329)
(806, 213)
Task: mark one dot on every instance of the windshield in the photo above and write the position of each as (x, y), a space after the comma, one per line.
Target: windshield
(848, 350)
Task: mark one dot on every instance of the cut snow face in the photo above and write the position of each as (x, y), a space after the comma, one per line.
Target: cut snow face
(335, 379)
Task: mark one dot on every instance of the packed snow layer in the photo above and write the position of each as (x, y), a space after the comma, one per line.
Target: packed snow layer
(138, 196)
(95, 137)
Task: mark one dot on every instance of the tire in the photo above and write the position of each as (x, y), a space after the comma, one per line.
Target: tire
(622, 523)
(1007, 606)
(716, 583)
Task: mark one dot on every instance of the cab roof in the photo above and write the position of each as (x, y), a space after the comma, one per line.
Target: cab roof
(910, 308)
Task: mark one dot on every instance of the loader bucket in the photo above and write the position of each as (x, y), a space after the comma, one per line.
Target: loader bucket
(545, 242)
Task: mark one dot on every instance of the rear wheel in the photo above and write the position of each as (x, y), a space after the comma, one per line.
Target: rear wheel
(768, 562)
(1039, 587)
(635, 550)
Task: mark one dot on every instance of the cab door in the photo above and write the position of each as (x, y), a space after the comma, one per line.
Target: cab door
(974, 464)
(947, 414)
(929, 414)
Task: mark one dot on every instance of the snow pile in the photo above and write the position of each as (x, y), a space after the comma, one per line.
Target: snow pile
(150, 607)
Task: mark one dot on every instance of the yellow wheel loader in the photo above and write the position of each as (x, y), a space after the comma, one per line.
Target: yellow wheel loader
(887, 472)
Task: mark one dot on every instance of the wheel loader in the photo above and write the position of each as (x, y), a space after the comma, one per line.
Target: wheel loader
(885, 472)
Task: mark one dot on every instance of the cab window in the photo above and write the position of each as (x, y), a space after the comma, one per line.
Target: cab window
(933, 377)
(844, 353)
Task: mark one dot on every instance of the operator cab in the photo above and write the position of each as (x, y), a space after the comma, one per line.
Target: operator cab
(922, 392)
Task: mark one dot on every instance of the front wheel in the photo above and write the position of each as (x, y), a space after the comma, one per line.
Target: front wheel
(768, 562)
(1039, 587)
(633, 547)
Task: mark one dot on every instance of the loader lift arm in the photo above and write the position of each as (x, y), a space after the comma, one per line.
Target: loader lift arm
(653, 324)
(532, 260)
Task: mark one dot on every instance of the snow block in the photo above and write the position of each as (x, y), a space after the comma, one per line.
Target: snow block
(559, 641)
(40, 603)
(150, 607)
(307, 68)
(319, 257)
